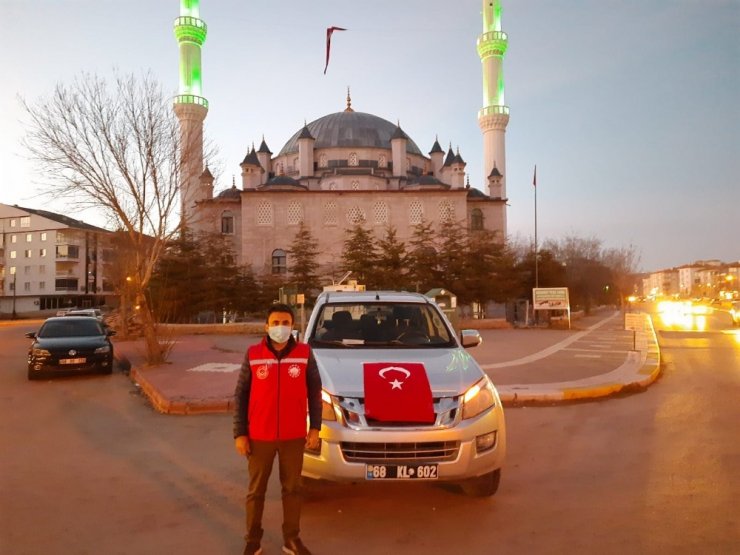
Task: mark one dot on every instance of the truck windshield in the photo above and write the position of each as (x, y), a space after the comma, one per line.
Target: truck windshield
(380, 324)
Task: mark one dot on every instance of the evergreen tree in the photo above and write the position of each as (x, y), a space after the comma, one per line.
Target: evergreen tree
(453, 252)
(423, 261)
(303, 265)
(391, 266)
(360, 256)
(490, 271)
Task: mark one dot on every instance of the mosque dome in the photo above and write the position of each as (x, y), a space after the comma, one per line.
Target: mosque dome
(349, 129)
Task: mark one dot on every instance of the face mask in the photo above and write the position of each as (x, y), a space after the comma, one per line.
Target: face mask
(279, 334)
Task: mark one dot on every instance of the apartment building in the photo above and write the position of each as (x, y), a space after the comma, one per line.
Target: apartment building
(50, 261)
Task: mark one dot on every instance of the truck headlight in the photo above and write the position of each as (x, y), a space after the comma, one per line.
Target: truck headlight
(478, 398)
(40, 352)
(327, 407)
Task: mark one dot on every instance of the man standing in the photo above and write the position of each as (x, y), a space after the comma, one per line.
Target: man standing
(277, 380)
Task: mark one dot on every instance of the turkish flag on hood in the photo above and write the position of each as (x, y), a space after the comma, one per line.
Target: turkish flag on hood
(398, 392)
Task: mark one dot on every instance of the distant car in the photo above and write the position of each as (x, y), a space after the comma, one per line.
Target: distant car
(93, 312)
(70, 345)
(735, 313)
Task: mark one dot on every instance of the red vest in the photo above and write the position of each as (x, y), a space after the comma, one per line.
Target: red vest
(278, 397)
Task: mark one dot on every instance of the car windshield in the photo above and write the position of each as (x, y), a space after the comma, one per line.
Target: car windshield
(70, 328)
(380, 325)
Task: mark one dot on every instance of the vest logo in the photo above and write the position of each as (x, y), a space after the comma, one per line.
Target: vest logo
(262, 372)
(294, 371)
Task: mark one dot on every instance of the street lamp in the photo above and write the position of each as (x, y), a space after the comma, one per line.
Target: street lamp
(15, 278)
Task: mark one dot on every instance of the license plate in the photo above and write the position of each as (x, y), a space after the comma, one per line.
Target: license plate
(72, 361)
(401, 471)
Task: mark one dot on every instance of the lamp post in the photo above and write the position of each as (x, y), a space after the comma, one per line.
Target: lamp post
(15, 278)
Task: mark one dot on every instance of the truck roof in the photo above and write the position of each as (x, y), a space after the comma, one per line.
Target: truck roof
(372, 296)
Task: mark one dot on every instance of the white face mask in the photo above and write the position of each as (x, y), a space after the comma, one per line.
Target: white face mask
(279, 334)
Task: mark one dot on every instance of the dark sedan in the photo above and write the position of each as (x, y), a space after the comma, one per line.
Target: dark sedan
(70, 345)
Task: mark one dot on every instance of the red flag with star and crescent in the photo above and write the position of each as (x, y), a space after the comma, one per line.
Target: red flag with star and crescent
(398, 392)
(329, 31)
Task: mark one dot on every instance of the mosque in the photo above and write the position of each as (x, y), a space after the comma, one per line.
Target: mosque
(340, 170)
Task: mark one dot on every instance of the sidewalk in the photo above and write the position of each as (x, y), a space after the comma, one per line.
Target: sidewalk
(596, 359)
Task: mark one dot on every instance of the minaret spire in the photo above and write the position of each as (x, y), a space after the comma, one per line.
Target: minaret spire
(494, 116)
(190, 106)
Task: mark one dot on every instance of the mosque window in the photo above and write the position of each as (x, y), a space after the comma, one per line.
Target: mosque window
(476, 219)
(227, 223)
(355, 185)
(322, 161)
(295, 212)
(330, 213)
(380, 210)
(353, 159)
(279, 262)
(382, 161)
(264, 213)
(416, 212)
(333, 186)
(446, 211)
(355, 215)
(408, 164)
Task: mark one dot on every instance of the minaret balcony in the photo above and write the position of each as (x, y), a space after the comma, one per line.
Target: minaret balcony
(493, 111)
(190, 29)
(191, 99)
(492, 43)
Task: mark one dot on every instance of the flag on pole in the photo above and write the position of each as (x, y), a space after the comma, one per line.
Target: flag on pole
(398, 392)
(534, 181)
(329, 32)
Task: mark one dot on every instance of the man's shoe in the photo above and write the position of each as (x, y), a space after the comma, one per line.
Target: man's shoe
(295, 547)
(252, 548)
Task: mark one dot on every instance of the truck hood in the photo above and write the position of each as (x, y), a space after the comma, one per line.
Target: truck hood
(450, 371)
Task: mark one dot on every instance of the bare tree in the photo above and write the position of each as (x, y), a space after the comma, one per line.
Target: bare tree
(117, 148)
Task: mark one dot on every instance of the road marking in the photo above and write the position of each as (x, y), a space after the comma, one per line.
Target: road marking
(215, 367)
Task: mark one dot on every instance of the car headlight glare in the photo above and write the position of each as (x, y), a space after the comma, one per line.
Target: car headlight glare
(102, 350)
(40, 352)
(478, 398)
(327, 407)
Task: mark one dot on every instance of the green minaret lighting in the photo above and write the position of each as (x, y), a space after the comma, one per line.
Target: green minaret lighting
(190, 32)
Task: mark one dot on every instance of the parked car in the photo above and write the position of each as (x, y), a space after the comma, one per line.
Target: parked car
(375, 352)
(70, 345)
(735, 313)
(92, 312)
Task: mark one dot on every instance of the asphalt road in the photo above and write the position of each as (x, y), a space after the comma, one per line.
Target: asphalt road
(87, 467)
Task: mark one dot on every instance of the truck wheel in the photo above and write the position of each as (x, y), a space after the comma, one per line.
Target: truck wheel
(482, 486)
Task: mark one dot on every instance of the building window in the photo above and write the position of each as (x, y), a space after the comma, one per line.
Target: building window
(11, 286)
(29, 237)
(42, 253)
(476, 219)
(333, 186)
(330, 213)
(295, 212)
(355, 185)
(446, 211)
(26, 270)
(264, 213)
(42, 269)
(279, 262)
(416, 212)
(61, 238)
(227, 223)
(353, 159)
(13, 239)
(26, 221)
(42, 285)
(380, 211)
(382, 161)
(27, 286)
(355, 215)
(13, 223)
(43, 236)
(68, 251)
(408, 164)
(12, 254)
(322, 161)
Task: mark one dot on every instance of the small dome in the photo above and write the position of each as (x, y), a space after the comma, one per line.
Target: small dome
(233, 192)
(349, 129)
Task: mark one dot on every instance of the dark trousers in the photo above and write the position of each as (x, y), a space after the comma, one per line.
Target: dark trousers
(290, 463)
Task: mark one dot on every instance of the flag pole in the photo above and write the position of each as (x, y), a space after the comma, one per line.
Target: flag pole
(536, 262)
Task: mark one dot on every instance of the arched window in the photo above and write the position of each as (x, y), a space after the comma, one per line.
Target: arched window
(279, 262)
(476, 219)
(227, 223)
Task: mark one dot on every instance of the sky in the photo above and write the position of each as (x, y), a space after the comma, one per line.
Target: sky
(629, 108)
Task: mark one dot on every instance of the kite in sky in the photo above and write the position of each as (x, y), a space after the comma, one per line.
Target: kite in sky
(329, 31)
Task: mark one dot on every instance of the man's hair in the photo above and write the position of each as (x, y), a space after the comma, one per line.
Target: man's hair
(280, 307)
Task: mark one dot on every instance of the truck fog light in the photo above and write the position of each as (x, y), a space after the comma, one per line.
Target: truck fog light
(485, 442)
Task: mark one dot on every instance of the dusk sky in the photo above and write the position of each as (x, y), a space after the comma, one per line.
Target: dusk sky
(629, 108)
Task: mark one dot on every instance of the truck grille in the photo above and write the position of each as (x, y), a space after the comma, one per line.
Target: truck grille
(395, 452)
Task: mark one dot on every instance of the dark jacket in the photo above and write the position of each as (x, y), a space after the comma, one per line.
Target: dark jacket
(269, 404)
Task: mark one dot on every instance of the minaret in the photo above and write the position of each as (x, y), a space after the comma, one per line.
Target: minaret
(494, 116)
(190, 106)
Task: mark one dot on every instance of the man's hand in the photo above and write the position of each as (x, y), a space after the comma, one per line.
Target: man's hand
(312, 441)
(242, 445)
